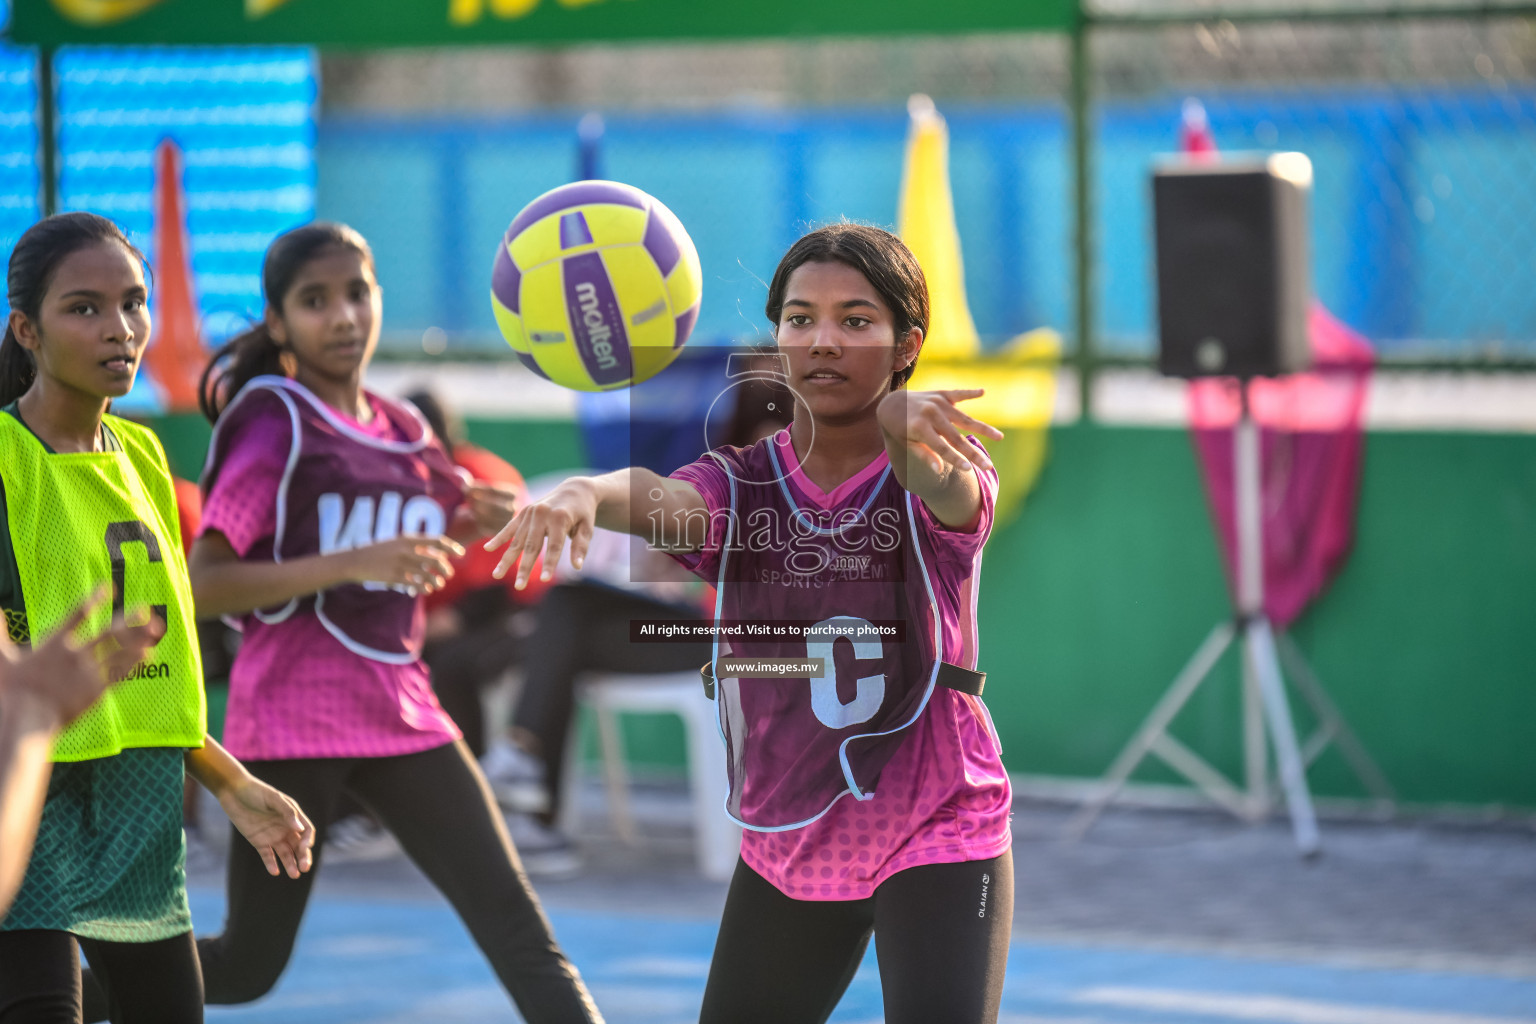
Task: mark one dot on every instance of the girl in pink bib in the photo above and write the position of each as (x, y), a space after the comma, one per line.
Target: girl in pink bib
(846, 553)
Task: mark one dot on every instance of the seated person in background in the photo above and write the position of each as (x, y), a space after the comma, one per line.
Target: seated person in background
(476, 623)
(581, 625)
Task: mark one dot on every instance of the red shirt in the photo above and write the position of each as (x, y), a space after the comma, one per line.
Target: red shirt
(189, 511)
(474, 570)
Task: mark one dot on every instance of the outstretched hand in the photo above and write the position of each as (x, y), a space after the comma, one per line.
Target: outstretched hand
(932, 428)
(65, 675)
(273, 823)
(568, 513)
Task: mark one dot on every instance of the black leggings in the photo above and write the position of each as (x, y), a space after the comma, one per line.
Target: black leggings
(466, 663)
(439, 808)
(941, 935)
(144, 982)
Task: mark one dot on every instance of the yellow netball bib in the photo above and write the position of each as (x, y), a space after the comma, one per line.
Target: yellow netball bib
(80, 519)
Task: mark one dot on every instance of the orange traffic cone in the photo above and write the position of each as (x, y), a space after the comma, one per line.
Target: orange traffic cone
(175, 355)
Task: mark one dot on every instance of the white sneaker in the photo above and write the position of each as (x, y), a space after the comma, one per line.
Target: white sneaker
(357, 838)
(516, 778)
(545, 851)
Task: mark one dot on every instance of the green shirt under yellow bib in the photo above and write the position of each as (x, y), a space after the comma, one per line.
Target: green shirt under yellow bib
(110, 855)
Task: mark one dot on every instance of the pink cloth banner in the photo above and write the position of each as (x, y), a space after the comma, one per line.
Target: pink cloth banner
(1311, 448)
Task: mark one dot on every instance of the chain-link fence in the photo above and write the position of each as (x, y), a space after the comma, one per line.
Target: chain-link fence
(750, 144)
(1422, 129)
(1422, 133)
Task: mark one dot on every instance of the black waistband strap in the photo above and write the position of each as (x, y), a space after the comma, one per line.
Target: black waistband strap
(963, 679)
(950, 676)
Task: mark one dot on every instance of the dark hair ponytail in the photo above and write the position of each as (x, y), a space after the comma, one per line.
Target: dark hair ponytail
(249, 354)
(37, 255)
(255, 352)
(17, 369)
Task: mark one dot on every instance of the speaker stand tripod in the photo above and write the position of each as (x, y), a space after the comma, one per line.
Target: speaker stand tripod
(1264, 698)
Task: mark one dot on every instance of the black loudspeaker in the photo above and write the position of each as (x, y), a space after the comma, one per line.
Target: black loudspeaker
(1233, 280)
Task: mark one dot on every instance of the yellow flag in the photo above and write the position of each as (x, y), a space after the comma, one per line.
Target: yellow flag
(101, 12)
(261, 8)
(925, 219)
(1020, 383)
(1020, 379)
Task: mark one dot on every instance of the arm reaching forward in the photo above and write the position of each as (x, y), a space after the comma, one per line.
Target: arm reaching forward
(627, 501)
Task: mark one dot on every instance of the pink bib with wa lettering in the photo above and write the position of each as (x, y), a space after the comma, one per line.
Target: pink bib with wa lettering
(343, 488)
(338, 673)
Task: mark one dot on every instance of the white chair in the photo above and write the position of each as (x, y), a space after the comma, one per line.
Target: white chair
(717, 839)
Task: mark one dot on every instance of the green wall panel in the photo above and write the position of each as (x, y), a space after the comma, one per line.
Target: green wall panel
(1093, 599)
(1097, 593)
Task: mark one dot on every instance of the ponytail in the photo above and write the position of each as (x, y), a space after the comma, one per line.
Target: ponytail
(245, 356)
(38, 253)
(17, 369)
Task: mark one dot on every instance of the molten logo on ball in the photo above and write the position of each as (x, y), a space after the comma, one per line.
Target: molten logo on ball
(596, 286)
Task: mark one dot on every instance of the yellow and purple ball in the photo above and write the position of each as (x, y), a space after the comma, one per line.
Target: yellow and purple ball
(596, 285)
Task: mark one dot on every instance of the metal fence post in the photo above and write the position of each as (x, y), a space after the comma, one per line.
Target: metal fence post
(1082, 210)
(47, 132)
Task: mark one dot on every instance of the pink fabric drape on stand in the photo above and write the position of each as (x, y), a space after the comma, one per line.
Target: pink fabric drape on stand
(1311, 444)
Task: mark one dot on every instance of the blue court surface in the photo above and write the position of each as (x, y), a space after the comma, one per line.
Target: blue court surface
(383, 962)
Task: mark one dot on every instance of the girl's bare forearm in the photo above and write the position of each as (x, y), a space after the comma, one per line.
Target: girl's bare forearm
(633, 500)
(215, 768)
(229, 586)
(27, 729)
(952, 494)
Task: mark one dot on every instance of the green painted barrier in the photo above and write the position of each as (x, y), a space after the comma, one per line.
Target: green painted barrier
(1093, 598)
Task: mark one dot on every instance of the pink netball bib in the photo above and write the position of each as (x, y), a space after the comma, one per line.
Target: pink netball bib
(343, 488)
(845, 584)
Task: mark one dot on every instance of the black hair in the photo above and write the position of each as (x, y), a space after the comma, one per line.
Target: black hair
(764, 402)
(255, 352)
(880, 256)
(34, 261)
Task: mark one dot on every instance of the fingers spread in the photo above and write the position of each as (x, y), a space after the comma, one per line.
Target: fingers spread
(975, 426)
(529, 553)
(581, 540)
(285, 856)
(963, 394)
(269, 860)
(502, 535)
(80, 614)
(963, 446)
(552, 555)
(446, 547)
(515, 534)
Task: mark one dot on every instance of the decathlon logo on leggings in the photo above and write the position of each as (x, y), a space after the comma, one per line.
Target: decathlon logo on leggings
(986, 882)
